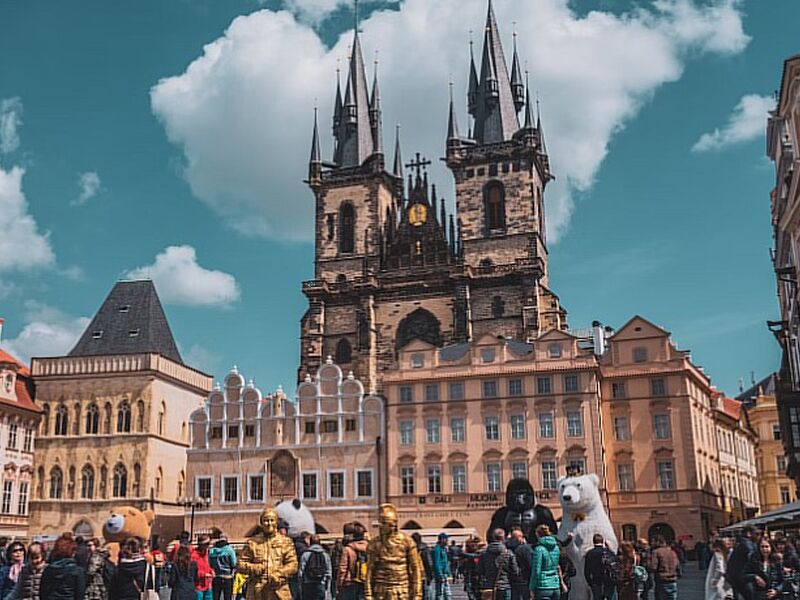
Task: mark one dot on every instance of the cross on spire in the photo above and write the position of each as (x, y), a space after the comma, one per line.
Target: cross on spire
(419, 163)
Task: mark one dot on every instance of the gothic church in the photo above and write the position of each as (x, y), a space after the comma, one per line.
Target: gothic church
(391, 265)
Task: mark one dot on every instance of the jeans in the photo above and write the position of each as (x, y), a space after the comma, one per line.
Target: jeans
(223, 588)
(552, 594)
(441, 589)
(204, 595)
(520, 592)
(351, 592)
(666, 590)
(604, 591)
(502, 595)
(313, 590)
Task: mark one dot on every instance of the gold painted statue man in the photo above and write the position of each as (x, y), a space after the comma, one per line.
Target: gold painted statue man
(269, 560)
(394, 568)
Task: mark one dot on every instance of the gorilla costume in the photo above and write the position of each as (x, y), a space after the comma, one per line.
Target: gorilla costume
(521, 510)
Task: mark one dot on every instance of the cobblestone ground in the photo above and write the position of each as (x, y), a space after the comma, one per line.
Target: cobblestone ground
(690, 587)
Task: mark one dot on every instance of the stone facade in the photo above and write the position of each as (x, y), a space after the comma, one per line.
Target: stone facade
(736, 445)
(249, 450)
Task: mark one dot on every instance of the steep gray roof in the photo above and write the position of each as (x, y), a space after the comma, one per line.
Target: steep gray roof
(130, 321)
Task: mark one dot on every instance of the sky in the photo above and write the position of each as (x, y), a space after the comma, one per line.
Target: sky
(170, 141)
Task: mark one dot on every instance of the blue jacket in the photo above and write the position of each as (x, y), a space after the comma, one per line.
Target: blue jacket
(222, 558)
(441, 562)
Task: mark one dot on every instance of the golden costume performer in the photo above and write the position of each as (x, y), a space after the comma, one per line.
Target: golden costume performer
(394, 568)
(269, 560)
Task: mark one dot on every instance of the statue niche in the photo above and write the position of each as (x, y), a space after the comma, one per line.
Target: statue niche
(421, 325)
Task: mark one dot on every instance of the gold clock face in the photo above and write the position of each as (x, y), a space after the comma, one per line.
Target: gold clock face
(417, 214)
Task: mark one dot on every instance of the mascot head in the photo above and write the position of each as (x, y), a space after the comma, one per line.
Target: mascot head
(519, 495)
(579, 493)
(125, 522)
(297, 517)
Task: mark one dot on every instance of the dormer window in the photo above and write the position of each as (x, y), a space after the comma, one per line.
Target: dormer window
(8, 383)
(417, 361)
(124, 308)
(133, 333)
(554, 350)
(96, 335)
(639, 355)
(487, 355)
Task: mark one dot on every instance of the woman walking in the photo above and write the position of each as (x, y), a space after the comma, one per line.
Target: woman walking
(63, 579)
(545, 580)
(9, 572)
(717, 587)
(772, 567)
(628, 559)
(98, 570)
(30, 578)
(128, 581)
(183, 576)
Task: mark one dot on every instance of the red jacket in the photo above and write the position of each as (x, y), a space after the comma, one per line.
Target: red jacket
(203, 583)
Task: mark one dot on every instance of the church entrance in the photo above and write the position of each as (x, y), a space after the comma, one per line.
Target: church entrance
(661, 529)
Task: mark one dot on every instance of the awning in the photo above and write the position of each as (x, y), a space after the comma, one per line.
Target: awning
(786, 513)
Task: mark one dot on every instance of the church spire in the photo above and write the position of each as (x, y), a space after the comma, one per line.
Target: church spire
(337, 104)
(472, 92)
(375, 116)
(315, 161)
(452, 123)
(398, 158)
(517, 87)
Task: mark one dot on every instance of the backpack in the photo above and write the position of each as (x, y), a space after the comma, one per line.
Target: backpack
(640, 574)
(612, 568)
(316, 567)
(360, 567)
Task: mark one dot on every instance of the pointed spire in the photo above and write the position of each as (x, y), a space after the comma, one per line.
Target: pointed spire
(452, 236)
(337, 104)
(316, 157)
(517, 87)
(452, 122)
(542, 147)
(398, 158)
(442, 215)
(472, 92)
(375, 113)
(528, 112)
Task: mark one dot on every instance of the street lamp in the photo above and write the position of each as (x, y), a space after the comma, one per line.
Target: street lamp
(193, 502)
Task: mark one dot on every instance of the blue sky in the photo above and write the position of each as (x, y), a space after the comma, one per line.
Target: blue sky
(171, 139)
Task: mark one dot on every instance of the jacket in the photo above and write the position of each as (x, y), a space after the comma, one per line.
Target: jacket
(441, 562)
(203, 582)
(743, 564)
(664, 564)
(347, 564)
(128, 580)
(495, 566)
(316, 549)
(97, 572)
(717, 587)
(28, 583)
(524, 556)
(6, 583)
(222, 558)
(593, 570)
(183, 584)
(544, 568)
(63, 579)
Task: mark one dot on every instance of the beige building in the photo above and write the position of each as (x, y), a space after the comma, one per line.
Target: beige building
(19, 418)
(249, 450)
(115, 424)
(775, 487)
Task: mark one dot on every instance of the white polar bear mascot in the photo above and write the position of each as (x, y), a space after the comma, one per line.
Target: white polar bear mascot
(583, 515)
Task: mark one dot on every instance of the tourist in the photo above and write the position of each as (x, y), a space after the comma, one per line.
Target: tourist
(184, 539)
(520, 585)
(469, 568)
(666, 569)
(455, 552)
(183, 575)
(441, 569)
(545, 580)
(315, 571)
(644, 551)
(30, 578)
(701, 554)
(352, 567)
(63, 579)
(222, 558)
(626, 590)
(772, 568)
(301, 545)
(568, 571)
(99, 571)
(9, 572)
(128, 581)
(496, 566)
(426, 558)
(596, 572)
(717, 587)
(743, 570)
(205, 574)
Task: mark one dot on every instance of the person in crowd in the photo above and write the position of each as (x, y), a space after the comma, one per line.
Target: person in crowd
(128, 580)
(205, 574)
(469, 568)
(520, 585)
(496, 566)
(159, 560)
(99, 571)
(183, 575)
(301, 546)
(441, 569)
(644, 552)
(701, 551)
(717, 587)
(455, 552)
(9, 572)
(349, 576)
(666, 569)
(596, 571)
(222, 558)
(184, 539)
(239, 585)
(545, 580)
(81, 552)
(426, 558)
(315, 571)
(3, 545)
(63, 579)
(626, 589)
(743, 571)
(772, 568)
(568, 571)
(30, 578)
(336, 553)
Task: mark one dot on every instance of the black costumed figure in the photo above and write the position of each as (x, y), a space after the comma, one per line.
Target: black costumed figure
(522, 511)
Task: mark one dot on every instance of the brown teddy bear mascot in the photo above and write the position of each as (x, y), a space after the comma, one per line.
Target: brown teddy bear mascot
(123, 523)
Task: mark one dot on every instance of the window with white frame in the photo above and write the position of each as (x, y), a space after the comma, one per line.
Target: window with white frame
(457, 429)
(625, 477)
(666, 474)
(456, 390)
(202, 486)
(434, 479)
(515, 387)
(364, 483)
(543, 385)
(432, 430)
(574, 423)
(517, 427)
(490, 388)
(640, 355)
(432, 392)
(310, 485)
(618, 389)
(406, 393)
(407, 480)
(549, 475)
(546, 426)
(22, 498)
(780, 462)
(8, 492)
(13, 428)
(577, 464)
(519, 469)
(622, 429)
(786, 495)
(255, 488)
(661, 429)
(336, 485)
(417, 361)
(658, 387)
(27, 440)
(230, 489)
(492, 426)
(458, 473)
(493, 477)
(571, 383)
(776, 431)
(406, 433)
(554, 350)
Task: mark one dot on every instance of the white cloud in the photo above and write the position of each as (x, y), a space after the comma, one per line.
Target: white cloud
(748, 121)
(48, 332)
(88, 185)
(241, 113)
(10, 121)
(181, 280)
(200, 358)
(22, 246)
(316, 11)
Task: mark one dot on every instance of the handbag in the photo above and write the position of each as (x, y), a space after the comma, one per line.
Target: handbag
(147, 594)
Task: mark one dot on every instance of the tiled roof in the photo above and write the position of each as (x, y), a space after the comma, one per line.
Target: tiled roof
(732, 407)
(23, 386)
(766, 386)
(6, 357)
(130, 321)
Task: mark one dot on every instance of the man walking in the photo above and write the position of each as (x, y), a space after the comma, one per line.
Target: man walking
(666, 569)
(600, 569)
(744, 571)
(441, 569)
(352, 569)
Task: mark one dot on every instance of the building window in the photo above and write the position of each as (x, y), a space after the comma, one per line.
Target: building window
(62, 420)
(120, 481)
(493, 477)
(310, 426)
(216, 433)
(577, 464)
(570, 383)
(56, 483)
(543, 385)
(27, 441)
(230, 490)
(786, 496)
(347, 228)
(487, 355)
(432, 431)
(780, 462)
(364, 484)
(492, 427)
(407, 480)
(417, 361)
(310, 490)
(629, 532)
(549, 476)
(625, 477)
(666, 474)
(459, 476)
(344, 352)
(658, 387)
(161, 423)
(498, 307)
(406, 433)
(661, 429)
(336, 485)
(776, 431)
(124, 418)
(87, 482)
(22, 498)
(432, 392)
(618, 389)
(546, 427)
(107, 418)
(639, 355)
(249, 431)
(574, 423)
(457, 390)
(12, 436)
(434, 479)
(140, 416)
(490, 389)
(515, 387)
(457, 430)
(8, 492)
(517, 427)
(494, 207)
(45, 422)
(519, 470)
(350, 425)
(233, 431)
(554, 350)
(406, 393)
(92, 419)
(255, 488)
(622, 432)
(330, 426)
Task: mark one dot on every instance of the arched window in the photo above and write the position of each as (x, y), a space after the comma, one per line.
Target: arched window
(162, 415)
(56, 483)
(124, 418)
(45, 427)
(62, 420)
(40, 483)
(494, 201)
(71, 483)
(140, 416)
(92, 419)
(87, 482)
(343, 352)
(159, 481)
(103, 481)
(181, 483)
(107, 418)
(629, 532)
(137, 479)
(76, 425)
(347, 228)
(120, 489)
(421, 325)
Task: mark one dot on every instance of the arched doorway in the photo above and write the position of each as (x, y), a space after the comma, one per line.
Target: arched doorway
(84, 529)
(661, 529)
(411, 525)
(453, 525)
(319, 529)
